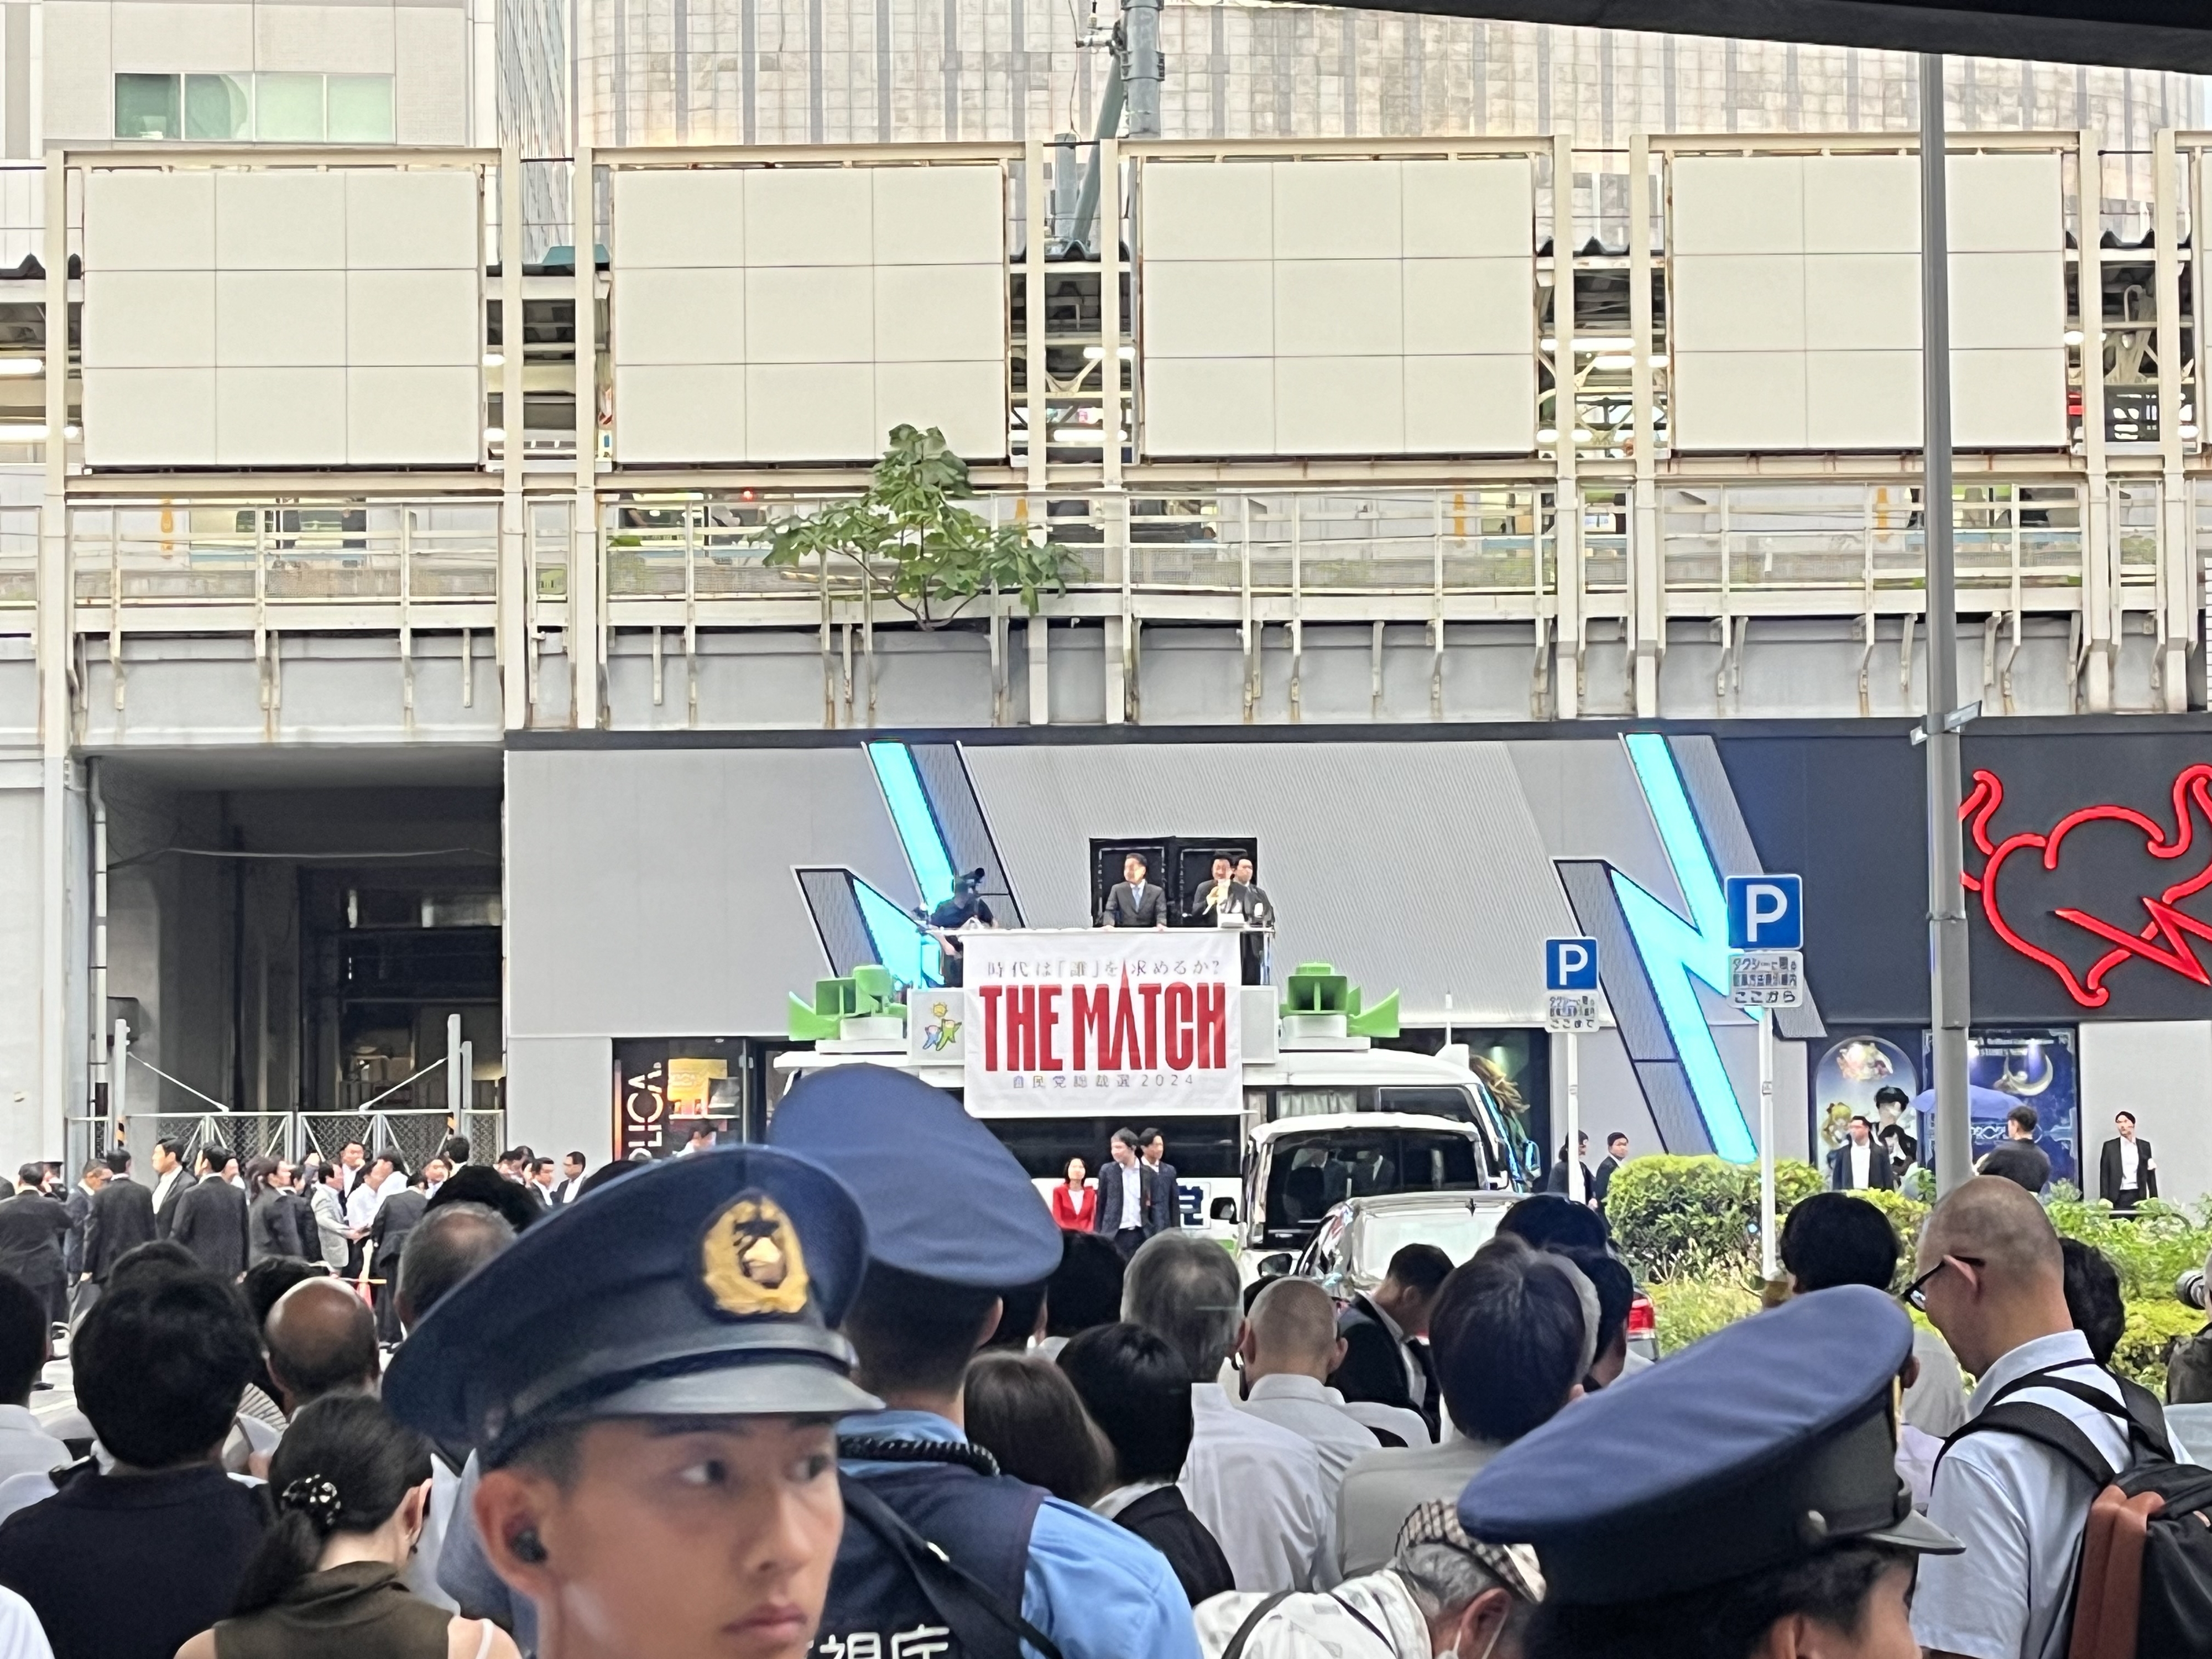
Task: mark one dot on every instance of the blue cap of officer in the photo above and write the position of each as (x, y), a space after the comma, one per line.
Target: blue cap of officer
(1765, 1443)
(703, 1286)
(946, 1199)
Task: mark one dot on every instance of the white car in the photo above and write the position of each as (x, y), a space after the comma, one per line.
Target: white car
(1296, 1169)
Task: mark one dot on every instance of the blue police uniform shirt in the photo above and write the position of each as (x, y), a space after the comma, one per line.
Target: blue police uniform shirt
(1081, 1567)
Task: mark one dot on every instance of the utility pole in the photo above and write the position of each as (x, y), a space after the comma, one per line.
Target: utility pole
(1949, 997)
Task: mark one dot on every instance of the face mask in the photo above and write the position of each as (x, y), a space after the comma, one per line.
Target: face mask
(1488, 1648)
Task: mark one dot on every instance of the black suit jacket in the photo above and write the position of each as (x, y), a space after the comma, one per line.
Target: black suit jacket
(1374, 1368)
(1166, 1207)
(78, 1205)
(1108, 1219)
(1599, 1186)
(1164, 1520)
(1125, 909)
(1879, 1172)
(165, 1213)
(2109, 1170)
(122, 1220)
(211, 1222)
(31, 1229)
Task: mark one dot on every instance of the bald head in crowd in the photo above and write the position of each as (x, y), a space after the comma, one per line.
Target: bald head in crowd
(451, 1241)
(1291, 1331)
(321, 1339)
(1994, 1275)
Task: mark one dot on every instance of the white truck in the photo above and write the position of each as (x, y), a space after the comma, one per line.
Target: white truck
(1295, 1067)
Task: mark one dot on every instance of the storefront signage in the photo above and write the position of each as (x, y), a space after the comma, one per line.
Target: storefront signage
(1097, 1022)
(2164, 940)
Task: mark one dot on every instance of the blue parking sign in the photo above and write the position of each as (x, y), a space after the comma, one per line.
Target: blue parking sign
(1570, 964)
(1765, 913)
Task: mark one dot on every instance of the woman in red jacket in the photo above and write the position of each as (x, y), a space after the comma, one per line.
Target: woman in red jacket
(1073, 1204)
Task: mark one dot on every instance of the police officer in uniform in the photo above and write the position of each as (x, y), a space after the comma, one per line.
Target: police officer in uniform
(952, 1220)
(1742, 1499)
(650, 1379)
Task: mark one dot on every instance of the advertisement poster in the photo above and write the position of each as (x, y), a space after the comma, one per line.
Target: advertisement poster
(664, 1087)
(1847, 1076)
(1089, 1023)
(2033, 1065)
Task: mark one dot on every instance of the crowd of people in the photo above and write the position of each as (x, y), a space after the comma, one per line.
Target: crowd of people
(765, 1401)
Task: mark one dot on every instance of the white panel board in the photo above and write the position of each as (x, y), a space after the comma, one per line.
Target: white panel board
(331, 319)
(829, 294)
(1855, 316)
(1284, 307)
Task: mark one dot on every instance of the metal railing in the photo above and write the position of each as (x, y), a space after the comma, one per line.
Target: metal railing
(416, 1133)
(333, 552)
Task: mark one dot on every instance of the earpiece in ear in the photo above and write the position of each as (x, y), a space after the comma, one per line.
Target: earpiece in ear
(527, 1546)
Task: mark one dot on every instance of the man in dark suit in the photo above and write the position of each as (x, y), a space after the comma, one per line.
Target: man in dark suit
(210, 1219)
(1166, 1204)
(1616, 1154)
(1136, 901)
(122, 1220)
(1127, 1208)
(78, 1204)
(1259, 917)
(2128, 1173)
(32, 1227)
(172, 1180)
(1386, 1351)
(395, 1219)
(1860, 1163)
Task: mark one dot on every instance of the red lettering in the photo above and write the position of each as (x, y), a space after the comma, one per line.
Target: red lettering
(1212, 1027)
(1093, 1016)
(990, 995)
(1128, 1051)
(1047, 1017)
(1021, 1028)
(1179, 1006)
(1150, 996)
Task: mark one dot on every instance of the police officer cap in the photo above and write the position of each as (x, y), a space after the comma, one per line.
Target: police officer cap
(946, 1199)
(1763, 1444)
(703, 1286)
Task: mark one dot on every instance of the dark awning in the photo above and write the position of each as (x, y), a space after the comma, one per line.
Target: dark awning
(2149, 34)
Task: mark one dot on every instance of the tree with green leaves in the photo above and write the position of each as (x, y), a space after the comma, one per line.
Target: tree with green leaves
(910, 541)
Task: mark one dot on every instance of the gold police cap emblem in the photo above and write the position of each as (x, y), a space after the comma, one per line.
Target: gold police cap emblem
(750, 1261)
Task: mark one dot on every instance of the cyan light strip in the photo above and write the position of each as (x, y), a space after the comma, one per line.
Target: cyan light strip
(900, 946)
(1676, 952)
(926, 851)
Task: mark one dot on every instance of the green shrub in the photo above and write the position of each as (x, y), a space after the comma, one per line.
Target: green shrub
(1689, 1306)
(2151, 1326)
(1674, 1215)
(2150, 1252)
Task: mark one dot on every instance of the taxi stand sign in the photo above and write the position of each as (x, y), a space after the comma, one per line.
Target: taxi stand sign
(1571, 1007)
(1766, 971)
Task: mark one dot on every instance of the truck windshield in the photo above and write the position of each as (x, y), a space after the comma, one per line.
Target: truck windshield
(1309, 1173)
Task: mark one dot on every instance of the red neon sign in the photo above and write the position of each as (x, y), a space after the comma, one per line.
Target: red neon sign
(2164, 940)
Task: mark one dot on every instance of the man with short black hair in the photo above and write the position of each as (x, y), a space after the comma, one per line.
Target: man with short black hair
(211, 1218)
(1386, 1352)
(1127, 1211)
(26, 1344)
(170, 1182)
(1859, 1164)
(78, 1204)
(541, 1180)
(321, 1340)
(1514, 1331)
(1167, 1203)
(334, 1239)
(1832, 1238)
(570, 1186)
(122, 1218)
(1136, 1390)
(2017, 1157)
(1616, 1154)
(1258, 1487)
(351, 1159)
(159, 1363)
(400, 1212)
(1134, 902)
(32, 1228)
(2126, 1170)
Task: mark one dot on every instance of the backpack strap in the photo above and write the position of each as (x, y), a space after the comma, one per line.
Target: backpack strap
(2047, 1427)
(1236, 1648)
(2137, 1406)
(944, 1583)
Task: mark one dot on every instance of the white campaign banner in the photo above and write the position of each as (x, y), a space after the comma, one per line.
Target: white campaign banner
(1092, 1023)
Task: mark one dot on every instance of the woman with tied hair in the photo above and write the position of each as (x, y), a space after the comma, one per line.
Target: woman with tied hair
(351, 1488)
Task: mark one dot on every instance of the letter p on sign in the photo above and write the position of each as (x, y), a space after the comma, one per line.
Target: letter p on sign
(1765, 913)
(1570, 964)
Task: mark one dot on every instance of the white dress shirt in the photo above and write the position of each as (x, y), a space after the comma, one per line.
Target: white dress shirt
(21, 1636)
(2129, 1155)
(1862, 1163)
(361, 1206)
(25, 1447)
(1133, 1196)
(2020, 1511)
(1258, 1490)
(1313, 1412)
